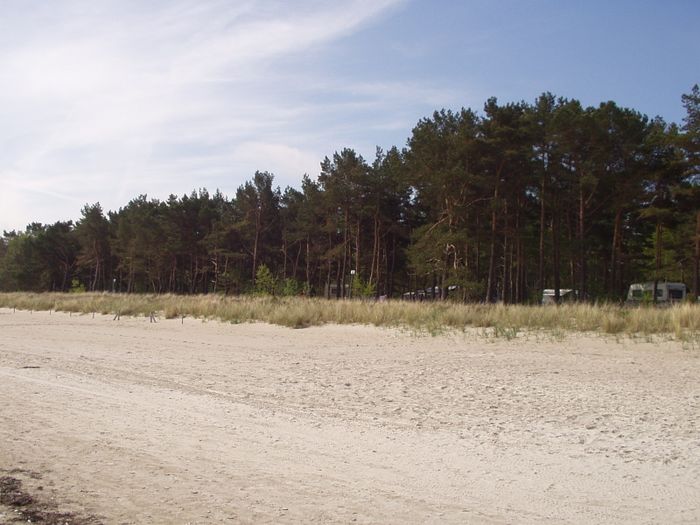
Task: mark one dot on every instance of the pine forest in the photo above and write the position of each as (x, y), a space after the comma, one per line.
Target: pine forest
(488, 206)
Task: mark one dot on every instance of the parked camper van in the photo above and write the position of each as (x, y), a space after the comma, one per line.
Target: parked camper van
(666, 293)
(566, 295)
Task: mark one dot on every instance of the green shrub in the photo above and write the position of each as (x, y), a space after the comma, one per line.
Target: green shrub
(265, 282)
(362, 289)
(76, 286)
(291, 287)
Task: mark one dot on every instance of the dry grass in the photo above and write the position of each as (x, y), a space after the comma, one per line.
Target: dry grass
(680, 322)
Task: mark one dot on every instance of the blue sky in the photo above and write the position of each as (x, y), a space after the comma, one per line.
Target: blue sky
(104, 100)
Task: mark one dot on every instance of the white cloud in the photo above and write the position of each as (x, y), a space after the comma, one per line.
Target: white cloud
(106, 100)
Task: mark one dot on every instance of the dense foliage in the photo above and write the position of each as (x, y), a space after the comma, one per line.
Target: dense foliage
(480, 207)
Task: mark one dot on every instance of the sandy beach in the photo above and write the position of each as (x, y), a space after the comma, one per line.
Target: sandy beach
(202, 422)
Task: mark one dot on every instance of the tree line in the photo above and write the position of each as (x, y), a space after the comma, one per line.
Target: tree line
(490, 206)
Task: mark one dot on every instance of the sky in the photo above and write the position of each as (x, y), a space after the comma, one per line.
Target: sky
(105, 100)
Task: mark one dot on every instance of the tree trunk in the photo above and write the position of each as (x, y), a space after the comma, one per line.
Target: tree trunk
(330, 268)
(255, 243)
(66, 268)
(284, 257)
(582, 285)
(657, 259)
(540, 268)
(696, 273)
(375, 251)
(97, 266)
(573, 258)
(338, 281)
(296, 262)
(308, 263)
(614, 255)
(343, 268)
(490, 283)
(357, 248)
(518, 250)
(506, 247)
(477, 254)
(556, 257)
(390, 273)
(225, 272)
(173, 275)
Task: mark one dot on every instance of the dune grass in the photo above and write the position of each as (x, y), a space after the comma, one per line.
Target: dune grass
(679, 322)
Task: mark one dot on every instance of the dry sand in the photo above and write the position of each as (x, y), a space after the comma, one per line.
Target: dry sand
(207, 423)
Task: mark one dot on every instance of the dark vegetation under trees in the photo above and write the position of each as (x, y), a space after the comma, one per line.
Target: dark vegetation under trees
(494, 207)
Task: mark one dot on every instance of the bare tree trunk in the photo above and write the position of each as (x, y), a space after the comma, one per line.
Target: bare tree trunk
(490, 283)
(130, 282)
(338, 281)
(97, 266)
(66, 269)
(284, 257)
(614, 254)
(330, 268)
(255, 242)
(443, 278)
(506, 247)
(477, 255)
(308, 263)
(344, 267)
(375, 250)
(657, 259)
(296, 262)
(696, 273)
(193, 285)
(357, 248)
(226, 284)
(556, 257)
(515, 257)
(215, 263)
(540, 269)
(390, 276)
(583, 285)
(572, 252)
(173, 275)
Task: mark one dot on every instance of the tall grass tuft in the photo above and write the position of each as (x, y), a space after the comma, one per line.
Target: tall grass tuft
(681, 321)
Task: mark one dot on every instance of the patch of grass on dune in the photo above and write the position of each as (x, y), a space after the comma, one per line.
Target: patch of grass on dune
(681, 322)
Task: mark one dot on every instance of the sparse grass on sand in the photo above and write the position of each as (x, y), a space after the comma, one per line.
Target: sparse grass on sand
(680, 322)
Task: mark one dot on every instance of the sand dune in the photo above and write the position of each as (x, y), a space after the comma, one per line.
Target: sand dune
(135, 422)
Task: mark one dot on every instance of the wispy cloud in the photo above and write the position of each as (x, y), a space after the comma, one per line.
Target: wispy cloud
(106, 100)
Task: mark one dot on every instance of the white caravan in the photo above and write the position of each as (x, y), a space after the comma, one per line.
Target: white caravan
(566, 295)
(665, 292)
